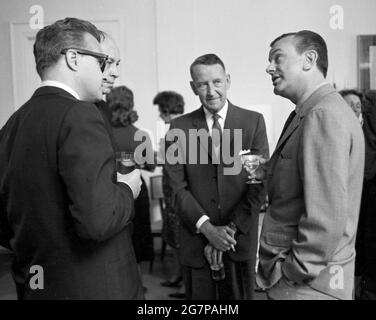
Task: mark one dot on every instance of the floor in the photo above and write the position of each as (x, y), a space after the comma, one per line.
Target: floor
(160, 272)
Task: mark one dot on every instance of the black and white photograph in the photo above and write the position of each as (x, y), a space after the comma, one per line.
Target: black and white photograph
(189, 151)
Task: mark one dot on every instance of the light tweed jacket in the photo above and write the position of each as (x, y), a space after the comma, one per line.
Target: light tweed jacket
(314, 182)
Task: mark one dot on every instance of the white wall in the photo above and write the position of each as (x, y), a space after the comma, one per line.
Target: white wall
(137, 44)
(160, 39)
(240, 32)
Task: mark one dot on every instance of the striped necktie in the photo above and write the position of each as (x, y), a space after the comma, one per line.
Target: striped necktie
(216, 131)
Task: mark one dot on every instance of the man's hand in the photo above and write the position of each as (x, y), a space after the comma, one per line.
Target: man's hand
(133, 180)
(213, 256)
(220, 237)
(260, 173)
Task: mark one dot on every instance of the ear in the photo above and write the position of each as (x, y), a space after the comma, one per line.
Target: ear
(193, 88)
(310, 59)
(228, 81)
(71, 60)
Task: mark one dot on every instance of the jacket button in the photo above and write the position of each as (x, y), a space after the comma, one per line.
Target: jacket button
(213, 201)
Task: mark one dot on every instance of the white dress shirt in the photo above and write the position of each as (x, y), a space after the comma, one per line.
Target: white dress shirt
(209, 120)
(58, 84)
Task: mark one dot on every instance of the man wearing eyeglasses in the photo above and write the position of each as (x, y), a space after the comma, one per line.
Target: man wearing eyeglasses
(110, 74)
(61, 213)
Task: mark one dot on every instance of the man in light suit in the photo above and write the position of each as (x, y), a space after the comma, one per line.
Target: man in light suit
(60, 210)
(217, 210)
(314, 180)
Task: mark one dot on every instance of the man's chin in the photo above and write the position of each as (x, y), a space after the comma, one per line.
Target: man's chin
(106, 88)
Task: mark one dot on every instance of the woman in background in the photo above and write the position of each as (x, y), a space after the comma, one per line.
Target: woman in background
(120, 101)
(171, 105)
(354, 99)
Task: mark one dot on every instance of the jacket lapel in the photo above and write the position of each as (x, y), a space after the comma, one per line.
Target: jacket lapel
(303, 109)
(199, 123)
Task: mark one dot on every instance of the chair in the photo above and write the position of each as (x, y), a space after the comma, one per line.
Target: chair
(156, 188)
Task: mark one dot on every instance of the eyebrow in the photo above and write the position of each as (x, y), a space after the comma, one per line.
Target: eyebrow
(274, 51)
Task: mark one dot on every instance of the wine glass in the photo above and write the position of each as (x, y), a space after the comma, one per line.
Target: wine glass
(250, 163)
(125, 162)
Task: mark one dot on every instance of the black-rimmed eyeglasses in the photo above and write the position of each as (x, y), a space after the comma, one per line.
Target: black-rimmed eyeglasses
(102, 58)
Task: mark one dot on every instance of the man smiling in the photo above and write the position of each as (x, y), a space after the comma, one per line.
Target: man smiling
(218, 211)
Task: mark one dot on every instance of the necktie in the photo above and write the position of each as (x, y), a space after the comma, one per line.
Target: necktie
(216, 131)
(288, 121)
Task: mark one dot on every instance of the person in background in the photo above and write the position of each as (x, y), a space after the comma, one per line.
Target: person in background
(121, 103)
(219, 211)
(110, 74)
(354, 99)
(365, 267)
(170, 106)
(307, 243)
(61, 213)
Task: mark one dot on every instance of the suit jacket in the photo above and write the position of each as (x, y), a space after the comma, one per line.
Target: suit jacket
(61, 209)
(200, 189)
(369, 129)
(314, 184)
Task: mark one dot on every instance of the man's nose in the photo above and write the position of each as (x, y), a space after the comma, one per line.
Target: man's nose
(270, 69)
(211, 89)
(114, 71)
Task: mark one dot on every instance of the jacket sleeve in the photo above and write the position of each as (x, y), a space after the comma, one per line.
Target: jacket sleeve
(99, 207)
(5, 231)
(254, 198)
(325, 149)
(189, 210)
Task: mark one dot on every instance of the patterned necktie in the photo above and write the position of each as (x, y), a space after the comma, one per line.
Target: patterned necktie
(216, 131)
(288, 121)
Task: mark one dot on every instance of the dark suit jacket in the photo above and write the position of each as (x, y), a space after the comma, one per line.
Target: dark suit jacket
(201, 189)
(61, 209)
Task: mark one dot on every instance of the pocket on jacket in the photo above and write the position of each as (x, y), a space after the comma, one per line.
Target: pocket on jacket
(279, 239)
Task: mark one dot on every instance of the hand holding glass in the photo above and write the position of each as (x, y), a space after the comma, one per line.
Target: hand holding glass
(251, 163)
(125, 162)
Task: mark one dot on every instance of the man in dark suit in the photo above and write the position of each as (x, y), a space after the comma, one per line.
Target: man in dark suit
(218, 210)
(60, 212)
(366, 235)
(110, 74)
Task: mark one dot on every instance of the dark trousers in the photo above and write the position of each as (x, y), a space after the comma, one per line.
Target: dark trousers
(237, 285)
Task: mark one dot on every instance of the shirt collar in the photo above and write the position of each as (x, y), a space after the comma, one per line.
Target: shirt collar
(222, 113)
(58, 84)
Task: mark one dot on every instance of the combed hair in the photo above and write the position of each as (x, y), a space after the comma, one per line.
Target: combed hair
(169, 102)
(309, 40)
(62, 34)
(120, 101)
(207, 60)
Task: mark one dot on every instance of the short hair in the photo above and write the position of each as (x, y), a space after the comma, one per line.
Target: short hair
(309, 40)
(169, 102)
(52, 39)
(120, 101)
(207, 60)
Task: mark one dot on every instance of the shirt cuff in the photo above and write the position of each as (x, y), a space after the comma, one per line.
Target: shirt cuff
(200, 222)
(122, 181)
